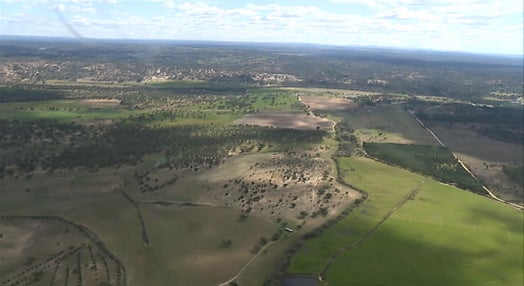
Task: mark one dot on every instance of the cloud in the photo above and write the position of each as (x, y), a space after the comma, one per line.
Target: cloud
(169, 4)
(447, 24)
(60, 7)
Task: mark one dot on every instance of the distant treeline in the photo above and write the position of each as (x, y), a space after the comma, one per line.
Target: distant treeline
(14, 94)
(500, 123)
(453, 75)
(467, 113)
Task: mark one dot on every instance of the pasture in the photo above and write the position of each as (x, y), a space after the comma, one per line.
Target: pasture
(440, 236)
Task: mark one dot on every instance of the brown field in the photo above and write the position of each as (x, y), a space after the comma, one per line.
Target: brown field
(328, 103)
(387, 124)
(485, 157)
(287, 120)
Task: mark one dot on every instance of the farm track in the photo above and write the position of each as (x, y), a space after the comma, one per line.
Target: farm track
(313, 114)
(179, 203)
(490, 193)
(249, 262)
(409, 196)
(145, 237)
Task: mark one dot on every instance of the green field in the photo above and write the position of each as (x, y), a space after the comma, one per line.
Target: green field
(443, 236)
(61, 110)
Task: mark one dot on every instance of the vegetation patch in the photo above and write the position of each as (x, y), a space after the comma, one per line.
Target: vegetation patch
(434, 161)
(515, 173)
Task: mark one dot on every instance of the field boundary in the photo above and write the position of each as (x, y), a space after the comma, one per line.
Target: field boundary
(145, 237)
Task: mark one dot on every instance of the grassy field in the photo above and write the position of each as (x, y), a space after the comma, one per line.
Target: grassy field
(316, 252)
(61, 110)
(185, 242)
(442, 236)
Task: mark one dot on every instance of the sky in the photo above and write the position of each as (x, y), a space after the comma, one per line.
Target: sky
(477, 26)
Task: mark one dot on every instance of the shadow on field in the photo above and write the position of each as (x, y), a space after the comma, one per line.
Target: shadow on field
(456, 255)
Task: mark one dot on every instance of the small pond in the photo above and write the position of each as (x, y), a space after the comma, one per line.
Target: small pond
(296, 280)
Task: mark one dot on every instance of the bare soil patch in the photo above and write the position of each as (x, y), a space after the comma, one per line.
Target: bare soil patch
(287, 120)
(100, 102)
(328, 103)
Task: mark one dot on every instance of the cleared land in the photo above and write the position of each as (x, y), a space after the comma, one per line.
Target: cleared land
(287, 120)
(387, 124)
(327, 103)
(427, 241)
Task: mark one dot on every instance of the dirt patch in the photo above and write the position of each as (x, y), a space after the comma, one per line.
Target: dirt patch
(100, 102)
(287, 120)
(328, 103)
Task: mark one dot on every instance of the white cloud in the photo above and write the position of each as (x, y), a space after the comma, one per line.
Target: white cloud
(169, 4)
(60, 7)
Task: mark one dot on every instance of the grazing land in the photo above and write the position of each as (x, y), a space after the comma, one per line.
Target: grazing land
(427, 240)
(189, 163)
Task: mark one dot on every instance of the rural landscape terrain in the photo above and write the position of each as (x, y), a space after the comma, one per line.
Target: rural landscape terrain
(209, 163)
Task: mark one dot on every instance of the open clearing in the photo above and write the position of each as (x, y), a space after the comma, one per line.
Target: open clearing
(442, 236)
(287, 120)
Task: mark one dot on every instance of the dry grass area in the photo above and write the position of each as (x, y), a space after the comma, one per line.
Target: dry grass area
(49, 251)
(287, 120)
(485, 157)
(328, 103)
(296, 186)
(491, 174)
(463, 140)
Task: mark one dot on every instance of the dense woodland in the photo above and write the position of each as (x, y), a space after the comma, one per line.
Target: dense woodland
(504, 123)
(434, 161)
(50, 145)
